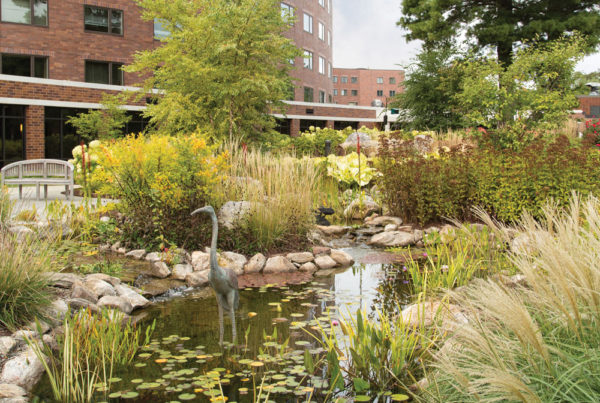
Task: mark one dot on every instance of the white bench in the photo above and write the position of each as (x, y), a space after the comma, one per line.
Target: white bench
(39, 172)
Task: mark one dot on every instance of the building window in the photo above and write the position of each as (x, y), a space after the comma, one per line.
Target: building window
(329, 70)
(322, 97)
(354, 93)
(344, 80)
(329, 6)
(12, 126)
(379, 80)
(103, 72)
(335, 92)
(32, 12)
(335, 79)
(308, 94)
(353, 103)
(321, 32)
(287, 12)
(353, 80)
(379, 93)
(24, 65)
(322, 65)
(308, 23)
(308, 60)
(100, 19)
(322, 3)
(160, 31)
(344, 93)
(392, 93)
(330, 99)
(392, 80)
(329, 38)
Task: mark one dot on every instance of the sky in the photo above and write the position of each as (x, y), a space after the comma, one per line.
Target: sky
(365, 34)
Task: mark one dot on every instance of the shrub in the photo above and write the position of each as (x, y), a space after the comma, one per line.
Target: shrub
(351, 170)
(160, 181)
(88, 171)
(312, 142)
(6, 207)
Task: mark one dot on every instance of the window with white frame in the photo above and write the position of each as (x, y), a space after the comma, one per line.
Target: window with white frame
(31, 12)
(335, 79)
(392, 93)
(379, 80)
(322, 65)
(379, 93)
(287, 12)
(308, 59)
(322, 3)
(308, 23)
(321, 31)
(335, 92)
(344, 93)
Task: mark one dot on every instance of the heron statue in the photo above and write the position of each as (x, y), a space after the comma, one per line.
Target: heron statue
(223, 280)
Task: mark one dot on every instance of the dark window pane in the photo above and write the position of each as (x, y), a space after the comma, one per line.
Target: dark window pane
(96, 19)
(52, 137)
(13, 140)
(40, 12)
(17, 65)
(16, 11)
(116, 22)
(51, 112)
(117, 74)
(40, 65)
(14, 111)
(96, 72)
(308, 94)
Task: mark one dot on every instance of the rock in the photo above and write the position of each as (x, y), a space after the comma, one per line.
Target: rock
(309, 267)
(278, 264)
(9, 391)
(100, 288)
(23, 370)
(77, 303)
(180, 271)
(255, 264)
(423, 144)
(325, 262)
(104, 277)
(104, 248)
(369, 231)
(21, 231)
(390, 228)
(105, 219)
(7, 343)
(50, 341)
(367, 145)
(418, 235)
(521, 244)
(80, 291)
(63, 280)
(419, 386)
(426, 313)
(431, 229)
(116, 246)
(383, 220)
(138, 254)
(315, 237)
(359, 209)
(160, 286)
(152, 257)
(234, 261)
(133, 297)
(56, 311)
(447, 234)
(120, 303)
(197, 279)
(342, 258)
(300, 257)
(333, 230)
(159, 269)
(121, 251)
(325, 273)
(393, 238)
(233, 211)
(38, 326)
(321, 250)
(200, 261)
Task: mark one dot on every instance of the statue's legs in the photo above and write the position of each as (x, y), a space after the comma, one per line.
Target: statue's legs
(231, 300)
(220, 322)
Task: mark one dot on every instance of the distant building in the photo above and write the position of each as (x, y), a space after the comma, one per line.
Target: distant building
(366, 87)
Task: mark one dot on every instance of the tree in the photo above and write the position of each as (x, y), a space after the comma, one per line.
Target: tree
(222, 69)
(501, 24)
(104, 123)
(531, 97)
(428, 91)
(581, 79)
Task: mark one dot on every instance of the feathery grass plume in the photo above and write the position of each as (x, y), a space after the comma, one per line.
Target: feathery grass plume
(533, 343)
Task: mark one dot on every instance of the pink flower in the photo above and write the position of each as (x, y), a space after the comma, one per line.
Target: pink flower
(335, 323)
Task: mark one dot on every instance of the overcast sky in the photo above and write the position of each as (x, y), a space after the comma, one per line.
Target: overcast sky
(365, 35)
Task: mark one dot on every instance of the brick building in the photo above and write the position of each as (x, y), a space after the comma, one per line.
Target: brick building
(57, 59)
(364, 86)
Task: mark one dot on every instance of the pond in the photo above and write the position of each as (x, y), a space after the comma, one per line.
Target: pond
(185, 362)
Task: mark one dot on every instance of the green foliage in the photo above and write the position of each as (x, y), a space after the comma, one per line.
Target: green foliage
(501, 25)
(88, 171)
(106, 267)
(351, 169)
(222, 69)
(529, 98)
(312, 142)
(581, 79)
(159, 181)
(105, 123)
(6, 207)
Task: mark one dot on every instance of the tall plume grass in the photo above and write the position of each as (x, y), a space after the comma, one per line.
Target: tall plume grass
(533, 343)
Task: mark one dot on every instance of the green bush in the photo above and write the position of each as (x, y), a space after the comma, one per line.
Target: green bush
(312, 142)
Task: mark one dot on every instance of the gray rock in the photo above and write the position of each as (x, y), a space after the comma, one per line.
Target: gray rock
(333, 230)
(325, 262)
(115, 247)
(152, 257)
(100, 288)
(383, 221)
(121, 251)
(325, 273)
(255, 264)
(234, 261)
(50, 341)
(104, 248)
(359, 209)
(309, 267)
(394, 238)
(200, 261)
(159, 269)
(120, 303)
(20, 231)
(390, 228)
(370, 231)
(342, 258)
(197, 279)
(104, 277)
(233, 211)
(77, 303)
(57, 310)
(180, 271)
(301, 257)
(80, 291)
(9, 391)
(7, 344)
(22, 335)
(431, 229)
(133, 297)
(278, 264)
(105, 219)
(63, 280)
(367, 145)
(138, 254)
(23, 370)
(321, 250)
(417, 235)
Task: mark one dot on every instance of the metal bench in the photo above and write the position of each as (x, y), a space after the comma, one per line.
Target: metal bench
(39, 172)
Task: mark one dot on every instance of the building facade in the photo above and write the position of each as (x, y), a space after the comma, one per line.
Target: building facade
(59, 57)
(364, 86)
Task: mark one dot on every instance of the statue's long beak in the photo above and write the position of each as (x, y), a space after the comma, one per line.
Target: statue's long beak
(196, 211)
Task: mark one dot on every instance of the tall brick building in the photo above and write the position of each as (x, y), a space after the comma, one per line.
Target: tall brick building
(58, 57)
(364, 86)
